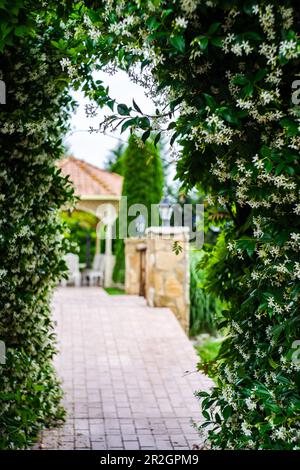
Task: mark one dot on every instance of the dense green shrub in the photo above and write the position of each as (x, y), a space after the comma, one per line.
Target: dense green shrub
(81, 232)
(205, 308)
(32, 190)
(226, 73)
(31, 233)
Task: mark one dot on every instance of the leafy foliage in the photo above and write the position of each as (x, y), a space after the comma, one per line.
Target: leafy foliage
(81, 232)
(32, 189)
(222, 75)
(205, 308)
(208, 352)
(114, 160)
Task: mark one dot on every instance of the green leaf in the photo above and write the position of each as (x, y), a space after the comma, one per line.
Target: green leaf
(265, 152)
(272, 363)
(203, 42)
(268, 166)
(240, 80)
(227, 412)
(166, 13)
(229, 116)
(173, 138)
(259, 75)
(178, 42)
(144, 122)
(146, 135)
(217, 42)
(202, 394)
(111, 104)
(248, 90)
(252, 35)
(210, 101)
(248, 244)
(127, 124)
(279, 168)
(123, 110)
(157, 138)
(174, 103)
(172, 125)
(291, 126)
(290, 170)
(136, 107)
(144, 63)
(152, 23)
(213, 28)
(21, 30)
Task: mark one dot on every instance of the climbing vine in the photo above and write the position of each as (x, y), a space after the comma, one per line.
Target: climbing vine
(32, 124)
(223, 76)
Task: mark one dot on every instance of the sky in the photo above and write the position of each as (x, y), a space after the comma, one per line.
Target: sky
(94, 148)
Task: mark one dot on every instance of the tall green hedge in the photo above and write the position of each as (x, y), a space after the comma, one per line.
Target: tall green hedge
(143, 184)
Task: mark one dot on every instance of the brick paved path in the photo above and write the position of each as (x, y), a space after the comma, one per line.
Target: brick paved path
(123, 368)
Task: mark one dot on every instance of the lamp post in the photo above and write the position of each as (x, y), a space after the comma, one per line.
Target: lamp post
(140, 225)
(165, 211)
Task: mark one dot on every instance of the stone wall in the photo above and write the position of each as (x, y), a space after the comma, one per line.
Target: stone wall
(167, 274)
(133, 265)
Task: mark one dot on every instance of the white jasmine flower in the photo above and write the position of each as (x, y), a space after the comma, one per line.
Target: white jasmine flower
(251, 405)
(181, 22)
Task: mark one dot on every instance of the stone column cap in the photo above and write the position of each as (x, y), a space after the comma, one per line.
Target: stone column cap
(172, 232)
(135, 240)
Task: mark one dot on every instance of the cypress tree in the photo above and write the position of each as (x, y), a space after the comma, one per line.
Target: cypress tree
(143, 184)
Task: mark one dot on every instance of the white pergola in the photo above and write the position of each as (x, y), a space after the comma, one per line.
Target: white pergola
(99, 192)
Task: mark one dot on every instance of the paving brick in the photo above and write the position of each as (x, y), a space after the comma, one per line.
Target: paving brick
(131, 445)
(123, 368)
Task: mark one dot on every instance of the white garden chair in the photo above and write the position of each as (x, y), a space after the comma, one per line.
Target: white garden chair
(74, 275)
(95, 275)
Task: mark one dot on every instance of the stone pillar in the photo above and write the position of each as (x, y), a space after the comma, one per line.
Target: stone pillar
(109, 257)
(168, 274)
(133, 253)
(98, 237)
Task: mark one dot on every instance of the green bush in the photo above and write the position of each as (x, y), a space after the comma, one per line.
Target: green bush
(205, 308)
(32, 244)
(227, 72)
(82, 231)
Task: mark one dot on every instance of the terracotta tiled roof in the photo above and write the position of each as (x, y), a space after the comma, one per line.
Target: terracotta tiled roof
(89, 179)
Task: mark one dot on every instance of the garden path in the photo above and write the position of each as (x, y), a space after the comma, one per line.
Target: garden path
(128, 372)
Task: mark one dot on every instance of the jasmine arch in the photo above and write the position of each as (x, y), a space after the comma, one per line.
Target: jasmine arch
(227, 73)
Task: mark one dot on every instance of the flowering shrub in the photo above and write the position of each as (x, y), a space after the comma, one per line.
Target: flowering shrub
(224, 71)
(31, 235)
(222, 74)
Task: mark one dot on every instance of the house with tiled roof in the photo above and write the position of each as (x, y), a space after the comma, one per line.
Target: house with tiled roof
(98, 190)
